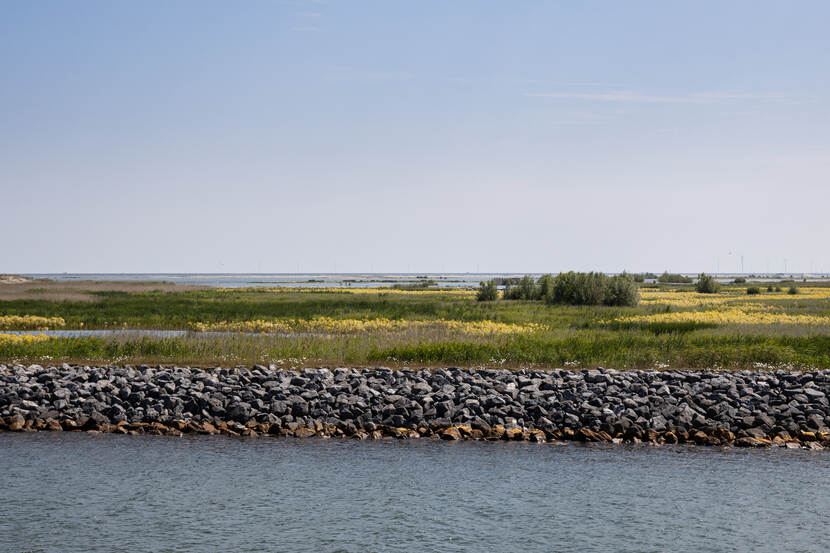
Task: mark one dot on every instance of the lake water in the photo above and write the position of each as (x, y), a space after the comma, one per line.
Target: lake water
(286, 280)
(78, 492)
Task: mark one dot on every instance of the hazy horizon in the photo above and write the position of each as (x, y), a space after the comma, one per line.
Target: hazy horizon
(483, 137)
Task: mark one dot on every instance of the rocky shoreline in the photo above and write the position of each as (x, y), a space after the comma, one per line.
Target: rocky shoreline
(747, 408)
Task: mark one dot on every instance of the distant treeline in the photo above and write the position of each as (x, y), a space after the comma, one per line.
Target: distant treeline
(420, 285)
(665, 278)
(673, 278)
(567, 288)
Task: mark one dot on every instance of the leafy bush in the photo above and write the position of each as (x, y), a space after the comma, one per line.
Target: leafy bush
(739, 280)
(769, 288)
(673, 278)
(792, 290)
(777, 288)
(487, 291)
(545, 286)
(594, 289)
(622, 290)
(579, 288)
(752, 290)
(706, 284)
(525, 289)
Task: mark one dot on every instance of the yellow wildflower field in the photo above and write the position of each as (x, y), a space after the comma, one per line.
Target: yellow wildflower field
(328, 325)
(728, 315)
(22, 338)
(696, 300)
(30, 322)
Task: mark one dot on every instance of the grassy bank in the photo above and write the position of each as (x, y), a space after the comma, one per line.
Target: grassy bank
(623, 349)
(672, 326)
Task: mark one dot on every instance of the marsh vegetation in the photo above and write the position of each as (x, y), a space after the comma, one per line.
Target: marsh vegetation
(672, 325)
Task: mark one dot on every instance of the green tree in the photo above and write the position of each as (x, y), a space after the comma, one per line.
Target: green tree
(706, 284)
(487, 291)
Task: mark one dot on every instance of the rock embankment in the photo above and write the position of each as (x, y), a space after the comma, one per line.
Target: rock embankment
(747, 408)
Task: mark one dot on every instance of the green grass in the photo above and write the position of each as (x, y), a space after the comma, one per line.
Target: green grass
(175, 310)
(623, 350)
(571, 335)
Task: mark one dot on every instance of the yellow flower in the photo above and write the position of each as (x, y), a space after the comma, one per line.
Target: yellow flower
(753, 315)
(22, 338)
(30, 322)
(729, 296)
(329, 325)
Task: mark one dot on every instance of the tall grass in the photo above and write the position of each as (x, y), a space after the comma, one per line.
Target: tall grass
(620, 349)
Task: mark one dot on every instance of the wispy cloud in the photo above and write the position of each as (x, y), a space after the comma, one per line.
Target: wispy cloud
(629, 96)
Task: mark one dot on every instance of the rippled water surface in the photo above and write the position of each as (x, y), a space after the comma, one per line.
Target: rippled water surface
(80, 492)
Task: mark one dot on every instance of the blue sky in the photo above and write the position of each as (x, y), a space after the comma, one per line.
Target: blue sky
(422, 136)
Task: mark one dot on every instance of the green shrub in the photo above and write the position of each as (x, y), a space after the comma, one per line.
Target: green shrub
(752, 290)
(579, 288)
(594, 289)
(792, 290)
(622, 290)
(525, 289)
(777, 288)
(739, 280)
(769, 288)
(673, 278)
(545, 286)
(487, 291)
(706, 284)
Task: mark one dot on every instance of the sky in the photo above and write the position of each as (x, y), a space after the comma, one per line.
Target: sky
(465, 136)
